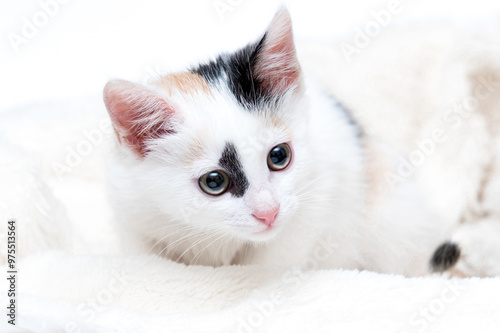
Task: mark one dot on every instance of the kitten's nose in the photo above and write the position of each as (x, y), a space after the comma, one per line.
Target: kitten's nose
(267, 216)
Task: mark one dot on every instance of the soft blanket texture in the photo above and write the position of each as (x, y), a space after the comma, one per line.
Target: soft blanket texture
(54, 186)
(144, 294)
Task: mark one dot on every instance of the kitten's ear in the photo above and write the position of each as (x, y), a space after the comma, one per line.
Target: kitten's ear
(277, 65)
(138, 114)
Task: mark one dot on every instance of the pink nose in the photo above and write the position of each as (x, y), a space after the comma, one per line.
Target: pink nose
(267, 216)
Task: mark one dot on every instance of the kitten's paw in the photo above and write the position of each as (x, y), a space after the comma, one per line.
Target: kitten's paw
(445, 257)
(474, 250)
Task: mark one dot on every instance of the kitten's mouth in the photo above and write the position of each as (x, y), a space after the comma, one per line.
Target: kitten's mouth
(266, 230)
(263, 233)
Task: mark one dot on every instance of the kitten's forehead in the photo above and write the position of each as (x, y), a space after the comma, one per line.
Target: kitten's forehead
(236, 142)
(184, 83)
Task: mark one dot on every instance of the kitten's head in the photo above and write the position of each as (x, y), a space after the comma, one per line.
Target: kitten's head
(222, 146)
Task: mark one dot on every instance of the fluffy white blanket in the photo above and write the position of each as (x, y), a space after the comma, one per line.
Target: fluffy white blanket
(145, 294)
(53, 183)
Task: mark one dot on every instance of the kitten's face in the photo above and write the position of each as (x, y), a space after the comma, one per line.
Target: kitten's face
(222, 147)
(231, 169)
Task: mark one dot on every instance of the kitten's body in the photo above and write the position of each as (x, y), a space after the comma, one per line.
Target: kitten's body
(335, 209)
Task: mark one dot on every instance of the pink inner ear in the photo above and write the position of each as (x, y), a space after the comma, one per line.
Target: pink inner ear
(277, 65)
(138, 114)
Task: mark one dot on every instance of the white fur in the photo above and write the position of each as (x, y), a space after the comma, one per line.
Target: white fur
(158, 199)
(324, 196)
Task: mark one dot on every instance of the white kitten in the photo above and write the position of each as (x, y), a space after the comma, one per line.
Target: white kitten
(244, 160)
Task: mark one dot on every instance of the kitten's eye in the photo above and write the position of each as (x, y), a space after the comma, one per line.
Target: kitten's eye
(279, 157)
(214, 182)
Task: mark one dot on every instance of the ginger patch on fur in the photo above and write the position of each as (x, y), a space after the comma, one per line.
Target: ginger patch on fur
(184, 83)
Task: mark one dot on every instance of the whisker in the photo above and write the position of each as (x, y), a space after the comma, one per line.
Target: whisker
(181, 230)
(207, 236)
(206, 247)
(184, 238)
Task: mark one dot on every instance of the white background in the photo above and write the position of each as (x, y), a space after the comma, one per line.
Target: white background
(85, 43)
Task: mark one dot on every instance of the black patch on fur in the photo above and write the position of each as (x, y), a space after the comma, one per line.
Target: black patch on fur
(212, 71)
(239, 67)
(349, 116)
(231, 163)
(445, 256)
